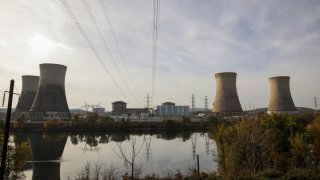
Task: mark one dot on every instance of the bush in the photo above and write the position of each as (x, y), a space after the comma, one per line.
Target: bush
(18, 123)
(305, 174)
(270, 174)
(50, 124)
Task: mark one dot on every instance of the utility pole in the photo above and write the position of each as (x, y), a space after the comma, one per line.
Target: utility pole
(206, 103)
(198, 167)
(6, 132)
(193, 103)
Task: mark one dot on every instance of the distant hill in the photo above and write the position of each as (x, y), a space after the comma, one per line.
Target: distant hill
(77, 111)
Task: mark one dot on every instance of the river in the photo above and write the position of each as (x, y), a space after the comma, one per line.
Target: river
(62, 155)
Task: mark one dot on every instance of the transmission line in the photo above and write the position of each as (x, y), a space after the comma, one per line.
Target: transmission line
(75, 20)
(156, 14)
(106, 16)
(105, 45)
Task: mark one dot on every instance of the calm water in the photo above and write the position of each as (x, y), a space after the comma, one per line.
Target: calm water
(59, 155)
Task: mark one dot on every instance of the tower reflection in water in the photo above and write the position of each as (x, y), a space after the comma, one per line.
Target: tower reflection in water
(47, 149)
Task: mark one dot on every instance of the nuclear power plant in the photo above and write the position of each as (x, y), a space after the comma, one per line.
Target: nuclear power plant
(28, 93)
(50, 101)
(280, 100)
(226, 100)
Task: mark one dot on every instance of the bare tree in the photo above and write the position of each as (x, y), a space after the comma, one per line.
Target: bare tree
(135, 150)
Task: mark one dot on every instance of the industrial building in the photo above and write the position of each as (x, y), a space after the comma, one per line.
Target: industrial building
(120, 107)
(50, 101)
(226, 100)
(99, 110)
(28, 93)
(280, 100)
(170, 109)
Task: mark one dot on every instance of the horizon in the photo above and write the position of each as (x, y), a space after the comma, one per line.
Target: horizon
(255, 39)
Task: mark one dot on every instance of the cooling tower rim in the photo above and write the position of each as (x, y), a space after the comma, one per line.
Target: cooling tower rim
(29, 76)
(52, 64)
(280, 77)
(225, 73)
(115, 102)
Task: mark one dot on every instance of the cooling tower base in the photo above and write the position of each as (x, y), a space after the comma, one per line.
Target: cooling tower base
(282, 112)
(49, 115)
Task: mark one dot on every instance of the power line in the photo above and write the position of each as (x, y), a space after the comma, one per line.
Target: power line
(156, 14)
(105, 12)
(75, 20)
(105, 44)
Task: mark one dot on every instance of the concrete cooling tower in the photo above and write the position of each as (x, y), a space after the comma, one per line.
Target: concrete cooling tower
(28, 93)
(280, 97)
(226, 100)
(50, 101)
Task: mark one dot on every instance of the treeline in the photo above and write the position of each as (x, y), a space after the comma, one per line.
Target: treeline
(277, 146)
(93, 121)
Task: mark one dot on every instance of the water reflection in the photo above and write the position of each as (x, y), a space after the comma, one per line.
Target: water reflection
(148, 150)
(162, 152)
(46, 150)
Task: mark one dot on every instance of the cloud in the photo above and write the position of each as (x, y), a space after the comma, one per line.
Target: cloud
(196, 40)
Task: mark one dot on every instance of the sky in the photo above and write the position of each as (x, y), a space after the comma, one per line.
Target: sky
(196, 39)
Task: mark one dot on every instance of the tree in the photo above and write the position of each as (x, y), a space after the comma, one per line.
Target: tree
(18, 123)
(91, 119)
(135, 150)
(17, 155)
(75, 119)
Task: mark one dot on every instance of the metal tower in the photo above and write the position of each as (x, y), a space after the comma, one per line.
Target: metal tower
(193, 103)
(206, 107)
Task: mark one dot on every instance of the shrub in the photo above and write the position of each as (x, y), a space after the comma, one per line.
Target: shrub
(18, 123)
(305, 174)
(269, 174)
(52, 123)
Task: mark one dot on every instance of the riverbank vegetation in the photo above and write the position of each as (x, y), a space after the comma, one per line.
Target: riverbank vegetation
(269, 147)
(94, 122)
(17, 154)
(99, 171)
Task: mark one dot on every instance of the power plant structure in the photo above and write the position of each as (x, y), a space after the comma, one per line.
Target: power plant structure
(280, 100)
(226, 100)
(28, 92)
(119, 107)
(50, 101)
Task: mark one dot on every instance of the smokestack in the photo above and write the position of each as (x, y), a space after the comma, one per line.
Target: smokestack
(226, 99)
(280, 97)
(28, 92)
(50, 101)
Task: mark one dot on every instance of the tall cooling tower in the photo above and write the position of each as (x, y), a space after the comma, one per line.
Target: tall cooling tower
(226, 100)
(50, 101)
(280, 97)
(28, 93)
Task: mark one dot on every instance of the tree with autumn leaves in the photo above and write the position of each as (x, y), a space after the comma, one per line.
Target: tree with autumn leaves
(264, 146)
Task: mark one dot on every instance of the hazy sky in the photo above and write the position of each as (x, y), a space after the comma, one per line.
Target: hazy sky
(197, 38)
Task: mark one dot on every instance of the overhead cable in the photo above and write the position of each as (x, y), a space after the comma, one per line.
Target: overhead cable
(107, 18)
(105, 45)
(75, 20)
